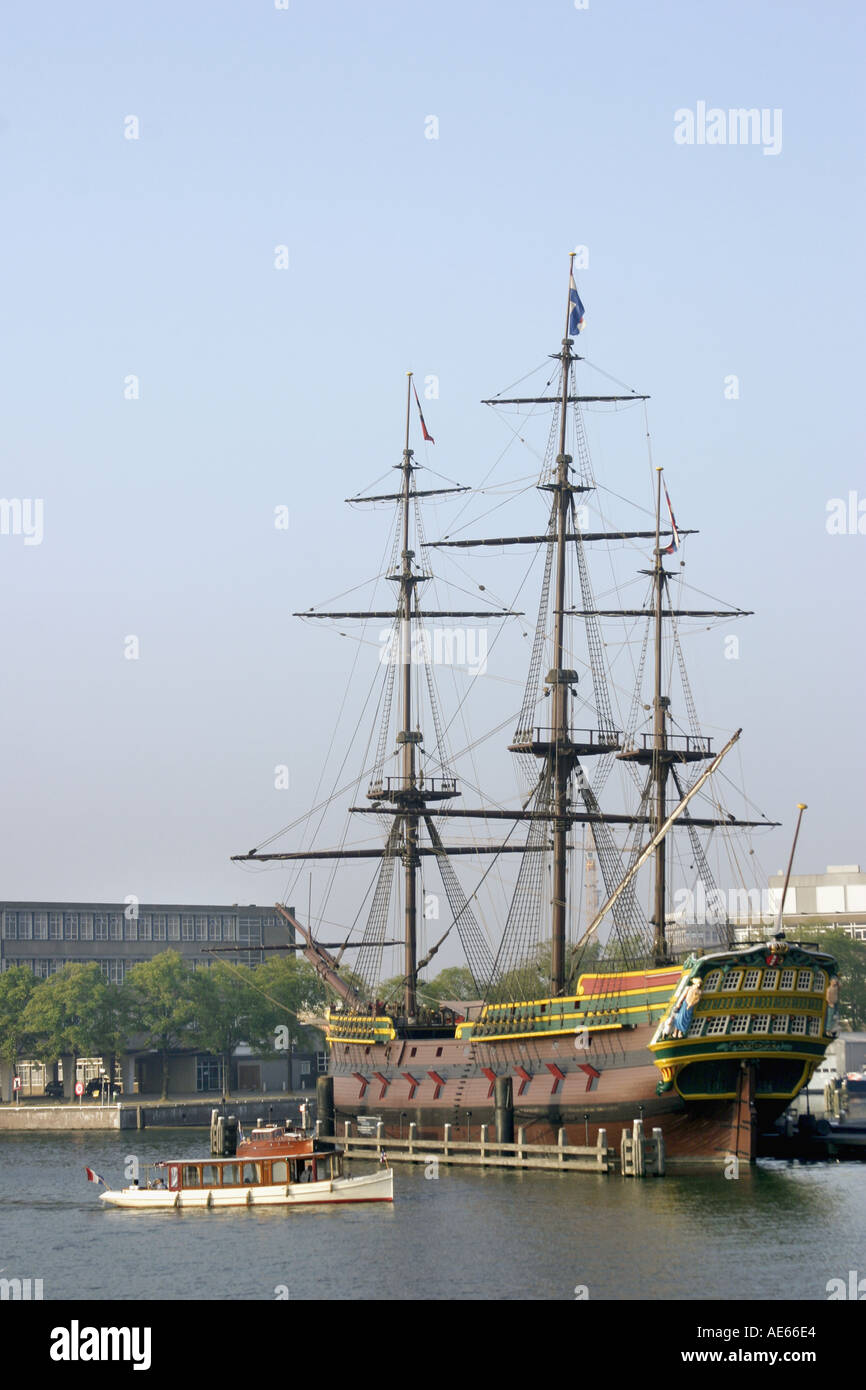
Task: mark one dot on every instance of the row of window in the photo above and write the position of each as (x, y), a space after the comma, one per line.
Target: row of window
(788, 979)
(803, 1024)
(116, 926)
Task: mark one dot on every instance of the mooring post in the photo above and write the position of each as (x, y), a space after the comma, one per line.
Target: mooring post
(503, 1092)
(483, 1142)
(380, 1132)
(446, 1135)
(639, 1149)
(601, 1141)
(660, 1152)
(325, 1105)
(413, 1130)
(521, 1140)
(625, 1154)
(560, 1144)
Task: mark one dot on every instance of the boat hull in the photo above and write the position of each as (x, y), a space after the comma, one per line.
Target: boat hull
(370, 1187)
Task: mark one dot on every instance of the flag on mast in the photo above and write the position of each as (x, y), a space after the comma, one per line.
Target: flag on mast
(576, 315)
(675, 542)
(94, 1177)
(428, 437)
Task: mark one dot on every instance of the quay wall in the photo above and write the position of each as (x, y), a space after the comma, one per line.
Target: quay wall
(60, 1116)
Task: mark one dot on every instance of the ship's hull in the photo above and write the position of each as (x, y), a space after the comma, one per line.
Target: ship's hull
(710, 1072)
(609, 1092)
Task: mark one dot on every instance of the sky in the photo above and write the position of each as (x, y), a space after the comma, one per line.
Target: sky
(229, 232)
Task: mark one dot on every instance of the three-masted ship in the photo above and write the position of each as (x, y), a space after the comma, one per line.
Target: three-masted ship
(708, 1042)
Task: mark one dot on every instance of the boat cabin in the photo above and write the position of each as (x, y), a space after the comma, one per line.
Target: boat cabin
(279, 1171)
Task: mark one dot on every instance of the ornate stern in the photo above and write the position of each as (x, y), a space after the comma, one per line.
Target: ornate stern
(765, 1004)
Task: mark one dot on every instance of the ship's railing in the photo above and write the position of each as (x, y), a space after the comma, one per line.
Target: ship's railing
(538, 733)
(677, 743)
(384, 787)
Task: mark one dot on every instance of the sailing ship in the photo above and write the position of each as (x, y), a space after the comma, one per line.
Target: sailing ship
(707, 1040)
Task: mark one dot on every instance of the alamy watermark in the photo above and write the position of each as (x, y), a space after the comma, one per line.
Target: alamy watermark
(718, 905)
(457, 646)
(23, 516)
(711, 125)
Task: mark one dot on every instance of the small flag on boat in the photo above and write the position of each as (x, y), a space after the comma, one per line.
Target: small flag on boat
(428, 437)
(94, 1177)
(675, 543)
(575, 318)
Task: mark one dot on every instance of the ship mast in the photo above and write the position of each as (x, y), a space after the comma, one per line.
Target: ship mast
(560, 753)
(407, 737)
(659, 763)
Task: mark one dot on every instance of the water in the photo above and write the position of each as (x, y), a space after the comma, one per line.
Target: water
(780, 1231)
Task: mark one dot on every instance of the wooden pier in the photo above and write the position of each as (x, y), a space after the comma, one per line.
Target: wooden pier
(640, 1156)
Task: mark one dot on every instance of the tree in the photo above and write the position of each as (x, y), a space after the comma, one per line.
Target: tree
(16, 987)
(66, 1012)
(454, 982)
(287, 988)
(850, 956)
(225, 1005)
(160, 994)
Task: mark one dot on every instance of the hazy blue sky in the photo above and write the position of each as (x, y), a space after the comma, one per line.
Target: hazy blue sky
(307, 128)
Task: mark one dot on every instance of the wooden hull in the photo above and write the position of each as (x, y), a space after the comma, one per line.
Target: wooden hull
(372, 1187)
(555, 1086)
(709, 1063)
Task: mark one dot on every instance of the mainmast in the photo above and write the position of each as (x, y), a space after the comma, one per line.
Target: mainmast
(561, 754)
(407, 736)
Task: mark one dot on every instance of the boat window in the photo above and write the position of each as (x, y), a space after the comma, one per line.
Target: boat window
(210, 1175)
(252, 1172)
(740, 1023)
(760, 1023)
(770, 979)
(804, 979)
(798, 1023)
(712, 981)
(697, 1027)
(820, 980)
(751, 979)
(231, 1174)
(191, 1175)
(787, 980)
(717, 1025)
(279, 1171)
(732, 980)
(814, 1027)
(780, 1023)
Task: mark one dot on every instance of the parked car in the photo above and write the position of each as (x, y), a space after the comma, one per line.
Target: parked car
(54, 1089)
(97, 1084)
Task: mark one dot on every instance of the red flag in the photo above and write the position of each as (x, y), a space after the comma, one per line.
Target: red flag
(428, 437)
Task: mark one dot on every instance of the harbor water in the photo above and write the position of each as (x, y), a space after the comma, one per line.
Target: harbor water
(777, 1231)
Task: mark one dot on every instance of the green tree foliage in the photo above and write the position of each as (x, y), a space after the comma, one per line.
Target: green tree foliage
(224, 1004)
(161, 995)
(72, 1012)
(454, 982)
(850, 956)
(16, 986)
(287, 988)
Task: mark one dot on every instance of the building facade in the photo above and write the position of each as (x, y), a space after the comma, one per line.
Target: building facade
(46, 936)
